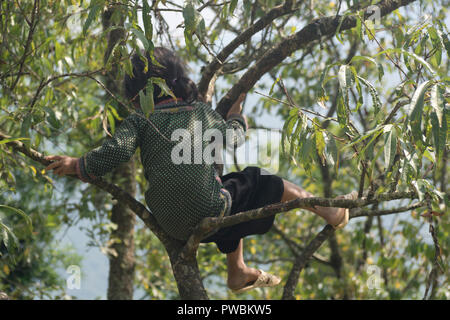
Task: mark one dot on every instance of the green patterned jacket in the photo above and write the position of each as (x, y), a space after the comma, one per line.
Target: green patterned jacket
(179, 195)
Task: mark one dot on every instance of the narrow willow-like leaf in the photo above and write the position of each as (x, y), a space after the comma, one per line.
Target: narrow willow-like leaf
(438, 102)
(146, 99)
(93, 12)
(287, 130)
(295, 139)
(415, 113)
(111, 121)
(165, 90)
(232, 7)
(190, 18)
(409, 54)
(12, 139)
(320, 142)
(342, 113)
(331, 151)
(273, 85)
(390, 146)
(20, 213)
(439, 135)
(344, 83)
(147, 19)
(371, 60)
(373, 93)
(141, 36)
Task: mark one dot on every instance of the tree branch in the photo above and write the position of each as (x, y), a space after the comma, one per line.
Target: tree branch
(208, 225)
(113, 189)
(210, 70)
(320, 27)
(314, 245)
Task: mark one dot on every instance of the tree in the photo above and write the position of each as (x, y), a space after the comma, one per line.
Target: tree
(379, 72)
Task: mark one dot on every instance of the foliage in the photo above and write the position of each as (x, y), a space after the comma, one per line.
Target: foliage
(368, 104)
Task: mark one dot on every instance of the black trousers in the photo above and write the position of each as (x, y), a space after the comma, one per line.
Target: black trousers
(250, 189)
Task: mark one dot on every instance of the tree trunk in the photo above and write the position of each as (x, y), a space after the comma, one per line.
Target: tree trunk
(186, 273)
(121, 265)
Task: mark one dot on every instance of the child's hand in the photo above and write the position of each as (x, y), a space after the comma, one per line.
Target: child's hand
(237, 106)
(62, 165)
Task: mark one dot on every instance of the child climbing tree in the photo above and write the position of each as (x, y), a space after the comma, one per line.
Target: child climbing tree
(362, 92)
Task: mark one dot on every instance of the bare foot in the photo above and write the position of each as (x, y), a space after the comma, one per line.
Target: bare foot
(339, 213)
(241, 278)
(337, 217)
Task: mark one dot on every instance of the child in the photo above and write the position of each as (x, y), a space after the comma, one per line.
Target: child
(181, 194)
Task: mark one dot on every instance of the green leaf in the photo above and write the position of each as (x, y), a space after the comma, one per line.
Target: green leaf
(331, 151)
(415, 113)
(146, 99)
(25, 128)
(111, 121)
(342, 113)
(409, 54)
(141, 36)
(165, 90)
(233, 4)
(6, 233)
(438, 102)
(298, 131)
(390, 145)
(273, 85)
(147, 19)
(93, 12)
(359, 30)
(421, 187)
(191, 19)
(344, 77)
(306, 147)
(52, 118)
(373, 93)
(287, 130)
(439, 135)
(371, 60)
(320, 143)
(20, 213)
(12, 139)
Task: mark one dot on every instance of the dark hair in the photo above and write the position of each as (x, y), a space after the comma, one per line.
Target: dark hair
(172, 70)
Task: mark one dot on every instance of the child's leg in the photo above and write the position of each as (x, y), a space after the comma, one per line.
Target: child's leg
(238, 273)
(332, 215)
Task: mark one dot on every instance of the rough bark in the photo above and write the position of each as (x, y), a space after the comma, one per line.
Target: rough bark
(186, 272)
(122, 262)
(121, 265)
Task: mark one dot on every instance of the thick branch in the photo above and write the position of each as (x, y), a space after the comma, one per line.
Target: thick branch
(209, 224)
(114, 190)
(320, 27)
(300, 262)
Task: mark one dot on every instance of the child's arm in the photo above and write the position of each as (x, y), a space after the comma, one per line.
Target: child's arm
(237, 122)
(96, 163)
